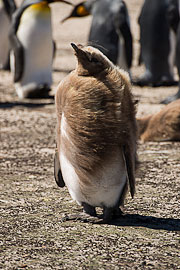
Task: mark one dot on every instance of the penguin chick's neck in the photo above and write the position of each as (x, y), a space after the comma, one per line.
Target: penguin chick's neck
(91, 61)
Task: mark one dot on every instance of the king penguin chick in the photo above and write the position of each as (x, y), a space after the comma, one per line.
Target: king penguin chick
(161, 126)
(96, 133)
(110, 29)
(7, 8)
(32, 48)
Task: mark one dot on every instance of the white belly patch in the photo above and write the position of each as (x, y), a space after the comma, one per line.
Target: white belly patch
(35, 35)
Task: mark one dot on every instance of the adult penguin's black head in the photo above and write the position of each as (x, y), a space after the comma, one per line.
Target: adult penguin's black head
(79, 10)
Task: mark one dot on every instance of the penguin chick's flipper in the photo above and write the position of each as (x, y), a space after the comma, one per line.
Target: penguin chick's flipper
(57, 171)
(128, 159)
(18, 55)
(123, 25)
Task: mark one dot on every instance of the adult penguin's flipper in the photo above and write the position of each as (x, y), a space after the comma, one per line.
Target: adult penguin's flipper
(122, 24)
(57, 171)
(10, 7)
(126, 33)
(16, 47)
(18, 57)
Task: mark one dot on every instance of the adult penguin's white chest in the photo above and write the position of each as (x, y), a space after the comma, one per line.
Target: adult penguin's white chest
(35, 35)
(4, 31)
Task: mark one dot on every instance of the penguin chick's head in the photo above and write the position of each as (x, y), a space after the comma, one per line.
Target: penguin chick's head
(90, 60)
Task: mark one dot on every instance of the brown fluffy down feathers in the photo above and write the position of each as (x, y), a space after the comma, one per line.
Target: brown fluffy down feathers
(162, 126)
(100, 113)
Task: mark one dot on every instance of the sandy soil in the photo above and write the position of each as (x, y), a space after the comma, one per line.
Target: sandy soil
(33, 234)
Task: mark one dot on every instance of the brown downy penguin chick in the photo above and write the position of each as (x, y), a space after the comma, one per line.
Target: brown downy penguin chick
(162, 126)
(96, 133)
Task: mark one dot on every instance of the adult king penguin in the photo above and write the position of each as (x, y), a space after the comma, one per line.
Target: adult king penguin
(96, 133)
(174, 22)
(157, 44)
(110, 29)
(32, 48)
(7, 8)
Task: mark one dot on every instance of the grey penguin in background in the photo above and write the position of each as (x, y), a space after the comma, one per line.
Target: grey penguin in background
(174, 22)
(157, 43)
(110, 29)
(32, 48)
(7, 8)
(96, 133)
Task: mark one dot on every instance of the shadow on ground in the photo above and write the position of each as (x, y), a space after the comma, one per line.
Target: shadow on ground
(9, 105)
(135, 220)
(132, 220)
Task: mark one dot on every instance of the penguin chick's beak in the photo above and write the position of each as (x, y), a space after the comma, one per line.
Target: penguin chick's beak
(79, 51)
(75, 47)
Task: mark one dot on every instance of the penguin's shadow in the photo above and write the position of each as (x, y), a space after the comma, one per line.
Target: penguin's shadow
(9, 105)
(136, 220)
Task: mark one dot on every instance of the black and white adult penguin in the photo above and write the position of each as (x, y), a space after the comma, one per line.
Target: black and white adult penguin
(110, 29)
(174, 22)
(96, 133)
(157, 44)
(7, 8)
(32, 48)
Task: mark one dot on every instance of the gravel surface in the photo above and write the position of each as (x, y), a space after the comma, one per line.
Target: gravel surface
(33, 231)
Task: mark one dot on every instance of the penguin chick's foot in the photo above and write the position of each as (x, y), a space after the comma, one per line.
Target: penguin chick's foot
(111, 213)
(171, 98)
(35, 91)
(88, 209)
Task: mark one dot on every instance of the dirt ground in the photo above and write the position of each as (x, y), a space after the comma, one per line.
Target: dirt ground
(33, 234)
